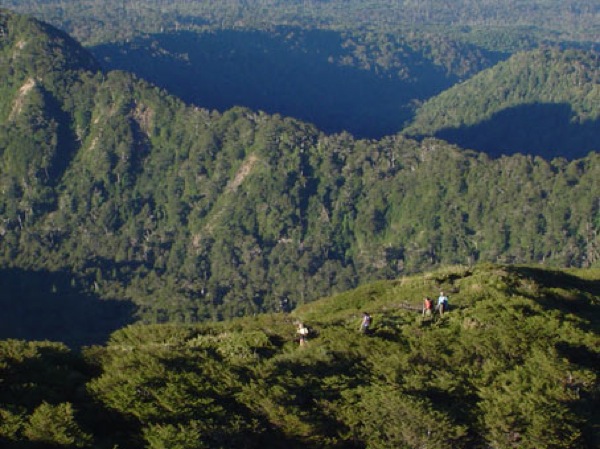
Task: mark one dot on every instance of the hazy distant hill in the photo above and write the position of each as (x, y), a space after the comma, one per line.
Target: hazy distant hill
(497, 24)
(513, 363)
(544, 102)
(198, 215)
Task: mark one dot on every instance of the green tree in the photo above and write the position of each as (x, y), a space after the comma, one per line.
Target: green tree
(56, 425)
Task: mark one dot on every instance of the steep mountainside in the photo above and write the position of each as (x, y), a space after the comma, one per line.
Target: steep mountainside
(545, 102)
(513, 363)
(195, 214)
(31, 49)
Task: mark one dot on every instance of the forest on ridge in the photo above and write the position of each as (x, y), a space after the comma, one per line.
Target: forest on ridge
(125, 192)
(186, 184)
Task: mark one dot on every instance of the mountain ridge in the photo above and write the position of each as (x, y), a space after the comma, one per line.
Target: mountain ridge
(513, 360)
(129, 189)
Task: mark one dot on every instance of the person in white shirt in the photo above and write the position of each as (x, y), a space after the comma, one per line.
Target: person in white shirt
(442, 304)
(365, 323)
(303, 334)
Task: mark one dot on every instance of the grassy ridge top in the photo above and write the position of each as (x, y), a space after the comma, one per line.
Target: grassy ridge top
(515, 358)
(514, 361)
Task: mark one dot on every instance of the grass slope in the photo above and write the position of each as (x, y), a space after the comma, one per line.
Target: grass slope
(513, 364)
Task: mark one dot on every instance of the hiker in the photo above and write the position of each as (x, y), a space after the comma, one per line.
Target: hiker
(442, 304)
(365, 324)
(284, 305)
(427, 307)
(303, 334)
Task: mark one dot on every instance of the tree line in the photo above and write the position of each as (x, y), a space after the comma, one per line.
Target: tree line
(92, 21)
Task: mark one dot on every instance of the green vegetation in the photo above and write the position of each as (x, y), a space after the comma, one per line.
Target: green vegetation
(514, 363)
(119, 202)
(508, 22)
(545, 101)
(392, 55)
(297, 73)
(124, 192)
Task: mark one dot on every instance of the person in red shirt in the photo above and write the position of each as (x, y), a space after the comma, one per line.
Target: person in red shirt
(427, 307)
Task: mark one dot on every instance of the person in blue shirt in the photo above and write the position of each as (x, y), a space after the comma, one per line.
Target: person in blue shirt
(442, 304)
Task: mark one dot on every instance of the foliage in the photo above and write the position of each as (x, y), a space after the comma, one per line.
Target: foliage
(128, 193)
(111, 188)
(514, 363)
(510, 21)
(392, 55)
(555, 92)
(55, 425)
(40, 383)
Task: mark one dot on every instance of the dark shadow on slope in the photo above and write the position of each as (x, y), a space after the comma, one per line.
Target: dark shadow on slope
(557, 279)
(542, 129)
(579, 355)
(67, 145)
(41, 305)
(303, 382)
(301, 77)
(564, 292)
(38, 373)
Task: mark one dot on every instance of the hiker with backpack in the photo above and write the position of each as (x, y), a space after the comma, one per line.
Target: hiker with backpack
(365, 323)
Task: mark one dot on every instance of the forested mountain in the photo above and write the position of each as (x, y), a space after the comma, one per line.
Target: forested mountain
(120, 202)
(513, 363)
(343, 65)
(364, 84)
(194, 214)
(544, 102)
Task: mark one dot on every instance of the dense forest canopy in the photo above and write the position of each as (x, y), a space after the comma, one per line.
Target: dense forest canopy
(93, 21)
(364, 84)
(513, 363)
(120, 202)
(199, 215)
(544, 102)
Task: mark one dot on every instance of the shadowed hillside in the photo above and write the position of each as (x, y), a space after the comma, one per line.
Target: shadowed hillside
(548, 130)
(310, 75)
(54, 306)
(543, 102)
